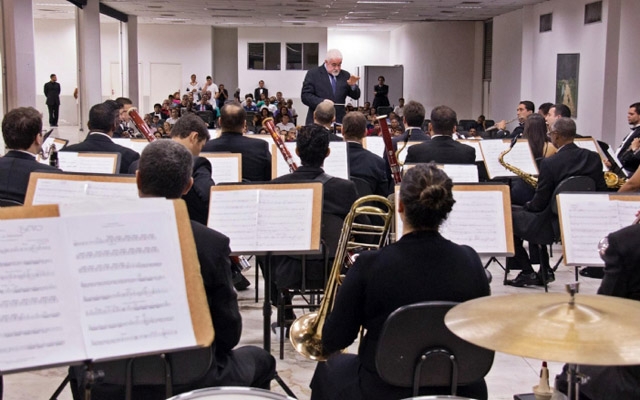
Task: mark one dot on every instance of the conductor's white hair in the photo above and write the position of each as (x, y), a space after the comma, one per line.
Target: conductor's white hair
(334, 54)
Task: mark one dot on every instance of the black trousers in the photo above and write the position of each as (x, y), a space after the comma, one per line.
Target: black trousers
(53, 114)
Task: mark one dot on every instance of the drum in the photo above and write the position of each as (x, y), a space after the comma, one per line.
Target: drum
(231, 393)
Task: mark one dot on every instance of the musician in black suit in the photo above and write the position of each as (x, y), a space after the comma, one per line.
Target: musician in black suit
(259, 90)
(329, 82)
(52, 93)
(364, 164)
(102, 121)
(325, 116)
(165, 171)
(442, 148)
(533, 221)
(433, 269)
(621, 279)
(338, 196)
(256, 158)
(22, 133)
(525, 108)
(629, 151)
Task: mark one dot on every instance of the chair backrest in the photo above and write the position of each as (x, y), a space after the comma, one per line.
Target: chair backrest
(572, 184)
(9, 203)
(362, 186)
(467, 124)
(413, 330)
(207, 116)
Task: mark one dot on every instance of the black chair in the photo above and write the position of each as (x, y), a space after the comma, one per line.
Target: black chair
(363, 187)
(208, 117)
(416, 349)
(9, 203)
(166, 370)
(467, 124)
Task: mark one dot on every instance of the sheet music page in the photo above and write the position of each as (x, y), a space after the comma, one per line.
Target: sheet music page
(461, 173)
(136, 145)
(71, 161)
(586, 219)
(337, 164)
(476, 145)
(284, 219)
(402, 156)
(477, 220)
(224, 169)
(38, 310)
(235, 213)
(519, 156)
(132, 292)
(626, 212)
(57, 191)
(590, 144)
(374, 144)
(282, 168)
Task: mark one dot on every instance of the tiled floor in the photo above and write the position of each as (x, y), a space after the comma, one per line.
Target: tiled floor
(508, 376)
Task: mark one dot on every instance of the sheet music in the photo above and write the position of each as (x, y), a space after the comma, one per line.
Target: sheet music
(402, 156)
(477, 220)
(38, 312)
(586, 219)
(71, 161)
(337, 164)
(519, 156)
(132, 292)
(58, 191)
(262, 219)
(461, 173)
(476, 145)
(225, 169)
(374, 144)
(136, 145)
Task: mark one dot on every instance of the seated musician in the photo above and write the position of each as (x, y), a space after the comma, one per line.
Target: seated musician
(338, 196)
(165, 171)
(533, 221)
(421, 266)
(621, 279)
(22, 133)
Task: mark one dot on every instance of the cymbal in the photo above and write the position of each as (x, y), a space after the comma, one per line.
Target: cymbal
(597, 330)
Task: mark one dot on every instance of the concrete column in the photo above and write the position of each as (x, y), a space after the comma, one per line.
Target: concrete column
(131, 62)
(610, 113)
(89, 59)
(18, 48)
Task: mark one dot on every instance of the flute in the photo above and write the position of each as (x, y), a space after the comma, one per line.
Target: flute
(388, 146)
(140, 124)
(271, 128)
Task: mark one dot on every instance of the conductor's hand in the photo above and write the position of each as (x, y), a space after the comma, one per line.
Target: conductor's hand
(353, 80)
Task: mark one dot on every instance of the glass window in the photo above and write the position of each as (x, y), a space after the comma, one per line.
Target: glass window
(256, 56)
(302, 55)
(272, 59)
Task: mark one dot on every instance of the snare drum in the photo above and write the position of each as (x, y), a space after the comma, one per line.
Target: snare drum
(231, 393)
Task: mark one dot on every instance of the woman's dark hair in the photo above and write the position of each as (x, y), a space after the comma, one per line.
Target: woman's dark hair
(535, 131)
(426, 194)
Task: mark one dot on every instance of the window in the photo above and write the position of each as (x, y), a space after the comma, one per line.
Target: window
(302, 56)
(593, 12)
(264, 56)
(546, 21)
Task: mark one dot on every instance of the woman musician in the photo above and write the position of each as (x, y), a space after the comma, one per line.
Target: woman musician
(433, 268)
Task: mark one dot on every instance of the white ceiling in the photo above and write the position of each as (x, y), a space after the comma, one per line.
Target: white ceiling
(282, 13)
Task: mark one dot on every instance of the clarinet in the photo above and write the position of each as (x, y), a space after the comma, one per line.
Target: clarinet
(140, 124)
(388, 146)
(271, 128)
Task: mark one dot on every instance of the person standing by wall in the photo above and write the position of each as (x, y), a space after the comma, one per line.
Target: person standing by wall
(52, 93)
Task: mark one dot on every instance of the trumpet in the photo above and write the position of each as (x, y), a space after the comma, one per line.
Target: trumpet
(493, 127)
(306, 331)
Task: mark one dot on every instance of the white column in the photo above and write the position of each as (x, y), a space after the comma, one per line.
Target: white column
(89, 64)
(131, 64)
(18, 48)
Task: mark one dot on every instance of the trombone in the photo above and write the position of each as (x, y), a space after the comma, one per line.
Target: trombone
(305, 333)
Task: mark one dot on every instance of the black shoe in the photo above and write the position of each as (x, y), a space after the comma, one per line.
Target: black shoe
(550, 278)
(240, 282)
(592, 272)
(524, 279)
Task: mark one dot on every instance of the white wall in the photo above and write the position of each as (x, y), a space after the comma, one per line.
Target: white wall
(629, 60)
(441, 64)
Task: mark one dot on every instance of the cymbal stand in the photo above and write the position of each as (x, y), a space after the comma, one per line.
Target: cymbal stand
(574, 380)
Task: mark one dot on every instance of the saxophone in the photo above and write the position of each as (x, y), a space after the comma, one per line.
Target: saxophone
(528, 178)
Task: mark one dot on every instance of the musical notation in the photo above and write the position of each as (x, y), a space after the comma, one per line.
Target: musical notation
(520, 156)
(225, 167)
(57, 191)
(337, 164)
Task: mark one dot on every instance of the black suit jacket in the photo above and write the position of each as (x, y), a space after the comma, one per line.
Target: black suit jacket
(317, 87)
(629, 159)
(417, 135)
(101, 143)
(366, 165)
(256, 93)
(52, 93)
(15, 169)
(337, 198)
(256, 158)
(432, 268)
(442, 150)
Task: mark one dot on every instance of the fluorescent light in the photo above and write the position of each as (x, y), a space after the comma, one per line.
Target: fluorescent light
(55, 5)
(295, 21)
(172, 19)
(384, 2)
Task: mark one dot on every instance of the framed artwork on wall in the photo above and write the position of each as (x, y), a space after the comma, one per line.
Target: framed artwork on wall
(567, 71)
